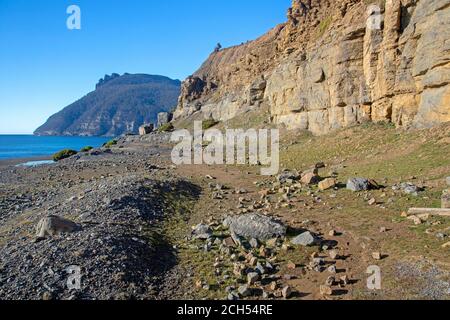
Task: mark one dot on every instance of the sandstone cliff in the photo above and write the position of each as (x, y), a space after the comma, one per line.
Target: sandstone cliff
(334, 64)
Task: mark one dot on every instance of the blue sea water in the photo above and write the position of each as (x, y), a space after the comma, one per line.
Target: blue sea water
(29, 146)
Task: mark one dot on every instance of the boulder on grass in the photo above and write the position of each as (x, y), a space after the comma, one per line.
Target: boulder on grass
(310, 178)
(305, 239)
(358, 184)
(255, 226)
(327, 184)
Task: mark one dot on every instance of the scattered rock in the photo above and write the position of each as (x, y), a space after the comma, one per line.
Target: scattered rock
(241, 191)
(291, 265)
(287, 175)
(305, 239)
(330, 281)
(202, 232)
(408, 188)
(47, 296)
(236, 239)
(320, 165)
(252, 278)
(287, 292)
(448, 181)
(229, 242)
(254, 243)
(344, 279)
(333, 254)
(417, 221)
(372, 202)
(332, 269)
(377, 256)
(255, 226)
(244, 291)
(233, 296)
(273, 286)
(260, 269)
(310, 179)
(327, 184)
(326, 290)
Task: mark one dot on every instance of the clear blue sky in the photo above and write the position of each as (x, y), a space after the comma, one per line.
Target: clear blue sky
(44, 66)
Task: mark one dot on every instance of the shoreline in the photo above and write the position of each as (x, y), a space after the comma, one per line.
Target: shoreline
(4, 163)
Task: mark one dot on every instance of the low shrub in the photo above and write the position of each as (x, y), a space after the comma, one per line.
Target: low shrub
(63, 154)
(168, 127)
(207, 124)
(110, 143)
(86, 149)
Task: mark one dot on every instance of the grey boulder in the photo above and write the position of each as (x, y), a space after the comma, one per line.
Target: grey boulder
(255, 226)
(54, 225)
(202, 232)
(305, 239)
(358, 184)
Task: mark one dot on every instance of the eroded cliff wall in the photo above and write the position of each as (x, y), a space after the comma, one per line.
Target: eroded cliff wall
(334, 64)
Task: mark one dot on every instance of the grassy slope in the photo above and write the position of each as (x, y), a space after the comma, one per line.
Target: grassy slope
(377, 151)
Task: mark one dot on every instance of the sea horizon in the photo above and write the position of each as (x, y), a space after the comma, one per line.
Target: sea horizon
(24, 146)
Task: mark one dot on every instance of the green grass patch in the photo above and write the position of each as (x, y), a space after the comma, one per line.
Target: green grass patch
(324, 25)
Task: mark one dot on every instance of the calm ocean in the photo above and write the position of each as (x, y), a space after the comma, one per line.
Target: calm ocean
(27, 146)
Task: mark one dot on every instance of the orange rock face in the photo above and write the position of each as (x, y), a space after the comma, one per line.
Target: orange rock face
(334, 64)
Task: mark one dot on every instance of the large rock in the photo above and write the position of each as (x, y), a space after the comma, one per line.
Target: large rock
(327, 184)
(358, 184)
(305, 239)
(408, 188)
(255, 226)
(54, 225)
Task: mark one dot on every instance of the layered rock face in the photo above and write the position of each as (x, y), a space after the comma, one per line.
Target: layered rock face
(335, 64)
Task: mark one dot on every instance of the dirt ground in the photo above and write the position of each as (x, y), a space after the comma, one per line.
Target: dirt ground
(415, 263)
